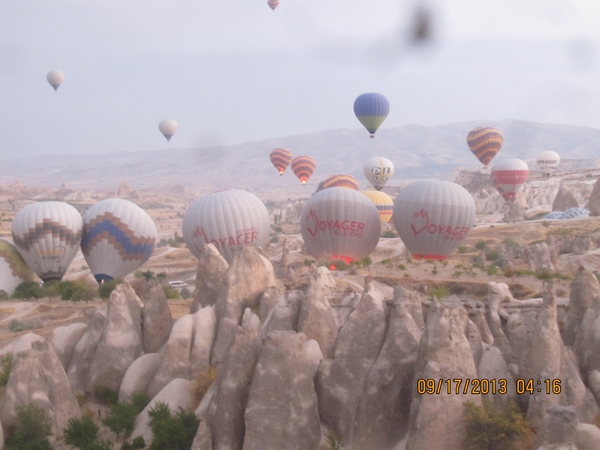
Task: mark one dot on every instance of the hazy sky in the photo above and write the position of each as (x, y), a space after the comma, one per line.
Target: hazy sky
(232, 71)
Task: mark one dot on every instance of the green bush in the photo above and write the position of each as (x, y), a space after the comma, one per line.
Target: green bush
(75, 290)
(107, 287)
(511, 244)
(28, 290)
(438, 292)
(81, 433)
(274, 240)
(489, 428)
(106, 395)
(333, 442)
(121, 418)
(170, 292)
(462, 249)
(172, 432)
(137, 443)
(31, 430)
(6, 364)
(389, 234)
(185, 293)
(3, 294)
(480, 245)
(139, 399)
(147, 275)
(22, 325)
(492, 255)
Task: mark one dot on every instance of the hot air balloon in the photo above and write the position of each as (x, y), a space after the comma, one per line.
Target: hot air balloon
(303, 167)
(383, 202)
(432, 217)
(13, 269)
(341, 224)
(485, 142)
(342, 180)
(371, 109)
(273, 4)
(167, 127)
(508, 175)
(228, 219)
(547, 161)
(281, 158)
(47, 235)
(55, 78)
(378, 171)
(118, 237)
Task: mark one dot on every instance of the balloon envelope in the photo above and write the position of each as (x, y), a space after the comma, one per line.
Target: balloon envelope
(508, 175)
(340, 223)
(371, 110)
(342, 180)
(47, 235)
(228, 219)
(55, 78)
(433, 217)
(273, 4)
(303, 167)
(547, 161)
(485, 143)
(13, 269)
(118, 237)
(281, 158)
(383, 203)
(167, 127)
(378, 171)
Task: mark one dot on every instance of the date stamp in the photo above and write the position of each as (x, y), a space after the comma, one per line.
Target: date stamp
(484, 386)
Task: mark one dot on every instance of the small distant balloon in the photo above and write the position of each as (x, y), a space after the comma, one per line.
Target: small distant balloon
(508, 176)
(167, 127)
(485, 143)
(548, 161)
(281, 158)
(378, 171)
(273, 4)
(371, 110)
(55, 78)
(303, 167)
(342, 180)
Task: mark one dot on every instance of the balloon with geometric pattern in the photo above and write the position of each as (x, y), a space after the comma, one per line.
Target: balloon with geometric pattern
(342, 180)
(13, 269)
(118, 237)
(485, 143)
(303, 167)
(281, 158)
(383, 202)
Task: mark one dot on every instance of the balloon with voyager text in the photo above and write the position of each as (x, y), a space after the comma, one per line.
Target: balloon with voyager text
(227, 219)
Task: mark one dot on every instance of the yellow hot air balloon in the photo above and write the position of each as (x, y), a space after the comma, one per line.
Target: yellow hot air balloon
(485, 142)
(383, 202)
(303, 167)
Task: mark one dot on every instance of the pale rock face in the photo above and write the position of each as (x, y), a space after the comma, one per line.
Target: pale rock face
(210, 277)
(514, 212)
(475, 341)
(248, 276)
(38, 376)
(340, 380)
(121, 340)
(205, 324)
(250, 320)
(559, 427)
(587, 437)
(22, 344)
(225, 415)
(542, 259)
(139, 375)
(412, 302)
(584, 288)
(282, 411)
(323, 278)
(493, 367)
(203, 440)
(593, 203)
(577, 245)
(157, 320)
(564, 199)
(436, 421)
(64, 340)
(314, 355)
(383, 410)
(498, 294)
(316, 319)
(284, 313)
(79, 367)
(176, 394)
(477, 316)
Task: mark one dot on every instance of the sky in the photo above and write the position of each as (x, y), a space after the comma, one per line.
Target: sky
(233, 71)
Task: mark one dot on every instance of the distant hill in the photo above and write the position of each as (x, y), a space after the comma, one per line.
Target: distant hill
(416, 150)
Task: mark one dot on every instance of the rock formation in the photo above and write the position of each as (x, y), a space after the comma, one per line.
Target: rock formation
(593, 203)
(564, 199)
(584, 289)
(64, 340)
(210, 277)
(139, 375)
(156, 319)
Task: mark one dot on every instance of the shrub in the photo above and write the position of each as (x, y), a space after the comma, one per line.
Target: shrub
(81, 433)
(332, 442)
(480, 245)
(274, 240)
(107, 287)
(492, 255)
(338, 264)
(28, 290)
(6, 364)
(511, 244)
(172, 432)
(3, 294)
(491, 429)
(137, 443)
(75, 290)
(185, 293)
(462, 249)
(21, 325)
(31, 430)
(147, 275)
(170, 292)
(106, 395)
(202, 383)
(401, 267)
(389, 234)
(438, 292)
(139, 399)
(121, 418)
(546, 224)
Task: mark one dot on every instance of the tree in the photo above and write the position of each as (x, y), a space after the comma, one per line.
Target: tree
(28, 290)
(31, 430)
(107, 287)
(148, 275)
(121, 418)
(81, 433)
(140, 400)
(172, 432)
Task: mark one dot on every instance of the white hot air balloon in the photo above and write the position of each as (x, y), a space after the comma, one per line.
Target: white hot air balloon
(118, 237)
(508, 175)
(548, 161)
(273, 4)
(340, 223)
(433, 217)
(228, 219)
(55, 78)
(13, 269)
(47, 235)
(378, 171)
(167, 127)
